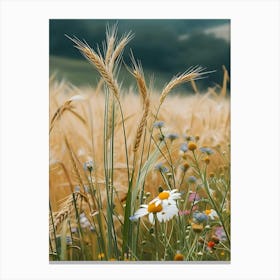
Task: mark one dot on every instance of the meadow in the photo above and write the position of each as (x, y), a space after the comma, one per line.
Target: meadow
(138, 174)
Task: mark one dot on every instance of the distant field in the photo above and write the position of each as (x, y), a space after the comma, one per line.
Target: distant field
(80, 72)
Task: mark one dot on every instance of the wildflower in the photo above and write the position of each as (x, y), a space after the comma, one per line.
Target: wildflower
(207, 160)
(192, 146)
(199, 217)
(178, 257)
(220, 233)
(211, 244)
(161, 168)
(211, 213)
(190, 138)
(192, 179)
(166, 197)
(88, 165)
(159, 124)
(172, 136)
(197, 227)
(197, 137)
(206, 150)
(185, 166)
(187, 212)
(184, 147)
(200, 253)
(163, 214)
(194, 196)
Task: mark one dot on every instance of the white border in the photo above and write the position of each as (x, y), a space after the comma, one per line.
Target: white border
(24, 137)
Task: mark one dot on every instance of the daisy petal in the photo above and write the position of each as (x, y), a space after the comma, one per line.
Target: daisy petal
(151, 218)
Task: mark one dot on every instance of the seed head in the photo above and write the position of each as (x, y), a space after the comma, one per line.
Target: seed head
(192, 146)
(207, 160)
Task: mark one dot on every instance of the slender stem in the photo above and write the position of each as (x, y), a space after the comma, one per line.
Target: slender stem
(156, 237)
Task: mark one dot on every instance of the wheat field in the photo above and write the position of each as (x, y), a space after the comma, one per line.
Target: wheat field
(113, 150)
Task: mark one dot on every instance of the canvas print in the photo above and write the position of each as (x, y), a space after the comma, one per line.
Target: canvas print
(139, 140)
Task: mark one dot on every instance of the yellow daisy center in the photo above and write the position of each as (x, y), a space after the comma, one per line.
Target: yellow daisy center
(208, 212)
(163, 195)
(152, 208)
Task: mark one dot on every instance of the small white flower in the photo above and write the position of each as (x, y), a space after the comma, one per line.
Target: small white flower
(212, 214)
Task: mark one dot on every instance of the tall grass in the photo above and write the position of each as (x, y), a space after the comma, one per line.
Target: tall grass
(112, 150)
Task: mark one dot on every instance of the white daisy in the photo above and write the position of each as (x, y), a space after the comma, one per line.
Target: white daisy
(163, 214)
(167, 213)
(167, 198)
(211, 213)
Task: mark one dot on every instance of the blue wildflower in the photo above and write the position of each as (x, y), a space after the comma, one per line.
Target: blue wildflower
(159, 124)
(200, 217)
(172, 136)
(88, 165)
(206, 150)
(184, 147)
(192, 179)
(161, 168)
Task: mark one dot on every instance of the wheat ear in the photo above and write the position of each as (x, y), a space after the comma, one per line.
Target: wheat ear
(97, 60)
(138, 74)
(119, 49)
(193, 73)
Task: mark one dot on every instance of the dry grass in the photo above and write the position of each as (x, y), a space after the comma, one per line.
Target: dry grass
(199, 115)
